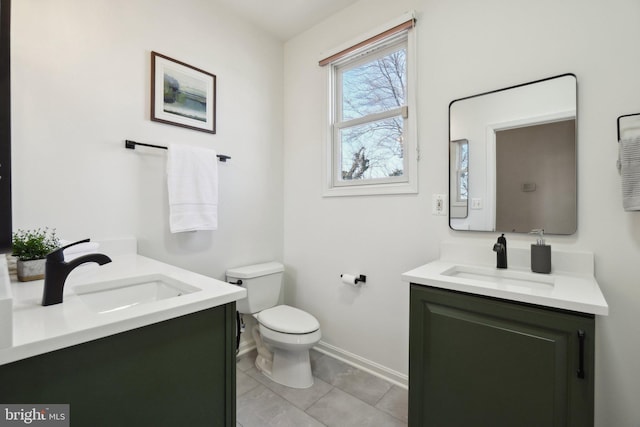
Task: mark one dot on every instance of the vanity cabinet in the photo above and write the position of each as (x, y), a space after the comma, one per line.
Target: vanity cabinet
(178, 372)
(486, 362)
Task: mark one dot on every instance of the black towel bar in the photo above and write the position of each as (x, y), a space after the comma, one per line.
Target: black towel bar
(620, 117)
(132, 145)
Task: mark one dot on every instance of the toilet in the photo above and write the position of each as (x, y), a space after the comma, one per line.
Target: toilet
(284, 334)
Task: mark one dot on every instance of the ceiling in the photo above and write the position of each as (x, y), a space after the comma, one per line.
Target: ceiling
(286, 18)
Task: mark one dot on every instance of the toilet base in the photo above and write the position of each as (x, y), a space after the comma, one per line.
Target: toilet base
(264, 365)
(292, 368)
(285, 367)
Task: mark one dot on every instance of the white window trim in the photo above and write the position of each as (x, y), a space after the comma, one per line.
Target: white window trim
(409, 184)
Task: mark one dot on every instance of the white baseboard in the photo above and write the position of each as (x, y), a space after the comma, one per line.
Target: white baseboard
(373, 368)
(245, 347)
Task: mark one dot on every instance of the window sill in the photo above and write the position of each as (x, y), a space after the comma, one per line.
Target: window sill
(371, 190)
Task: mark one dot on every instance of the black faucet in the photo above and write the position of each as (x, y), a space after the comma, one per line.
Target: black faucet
(56, 271)
(500, 248)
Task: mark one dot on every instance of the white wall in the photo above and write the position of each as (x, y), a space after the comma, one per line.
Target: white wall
(465, 48)
(81, 86)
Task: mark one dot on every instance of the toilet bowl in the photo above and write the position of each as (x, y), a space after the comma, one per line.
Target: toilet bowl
(283, 338)
(284, 334)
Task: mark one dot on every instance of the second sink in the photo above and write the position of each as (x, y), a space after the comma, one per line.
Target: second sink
(501, 277)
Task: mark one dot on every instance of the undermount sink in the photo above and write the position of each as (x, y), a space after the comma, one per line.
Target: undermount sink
(501, 278)
(470, 268)
(115, 295)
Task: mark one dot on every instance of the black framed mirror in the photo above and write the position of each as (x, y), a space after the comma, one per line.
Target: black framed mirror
(5, 126)
(512, 158)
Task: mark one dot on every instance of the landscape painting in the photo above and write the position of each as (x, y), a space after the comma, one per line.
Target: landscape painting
(182, 95)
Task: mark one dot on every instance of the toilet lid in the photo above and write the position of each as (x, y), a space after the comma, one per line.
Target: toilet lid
(288, 320)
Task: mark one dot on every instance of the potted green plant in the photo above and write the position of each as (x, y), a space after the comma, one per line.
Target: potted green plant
(31, 248)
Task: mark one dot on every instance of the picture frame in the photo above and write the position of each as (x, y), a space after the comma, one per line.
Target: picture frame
(182, 95)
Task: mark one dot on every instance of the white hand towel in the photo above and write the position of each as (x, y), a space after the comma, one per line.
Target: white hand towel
(192, 178)
(629, 165)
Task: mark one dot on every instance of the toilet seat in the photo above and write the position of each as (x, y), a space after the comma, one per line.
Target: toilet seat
(288, 320)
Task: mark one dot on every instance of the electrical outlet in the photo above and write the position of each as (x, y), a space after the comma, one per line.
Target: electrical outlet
(439, 204)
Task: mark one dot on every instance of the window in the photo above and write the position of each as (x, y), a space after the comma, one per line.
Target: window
(371, 147)
(459, 179)
(461, 168)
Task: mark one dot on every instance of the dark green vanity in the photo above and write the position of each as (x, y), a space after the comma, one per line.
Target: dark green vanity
(178, 372)
(487, 362)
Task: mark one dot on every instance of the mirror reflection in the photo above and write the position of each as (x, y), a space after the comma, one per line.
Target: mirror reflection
(512, 158)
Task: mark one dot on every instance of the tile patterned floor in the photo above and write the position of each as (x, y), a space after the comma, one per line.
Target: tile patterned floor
(340, 396)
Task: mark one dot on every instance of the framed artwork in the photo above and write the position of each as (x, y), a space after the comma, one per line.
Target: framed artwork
(182, 95)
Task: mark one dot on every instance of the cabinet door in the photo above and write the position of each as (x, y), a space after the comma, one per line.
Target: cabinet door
(179, 372)
(477, 361)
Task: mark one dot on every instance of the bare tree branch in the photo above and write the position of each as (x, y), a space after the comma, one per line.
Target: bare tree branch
(375, 148)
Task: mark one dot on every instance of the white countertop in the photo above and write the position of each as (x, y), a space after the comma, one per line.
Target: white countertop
(38, 329)
(570, 286)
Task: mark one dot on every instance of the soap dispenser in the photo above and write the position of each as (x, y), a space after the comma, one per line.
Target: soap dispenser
(540, 254)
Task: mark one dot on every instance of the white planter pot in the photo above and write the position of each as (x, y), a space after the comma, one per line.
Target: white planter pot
(31, 270)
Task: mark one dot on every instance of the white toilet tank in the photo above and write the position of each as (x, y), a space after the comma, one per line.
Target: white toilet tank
(263, 283)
